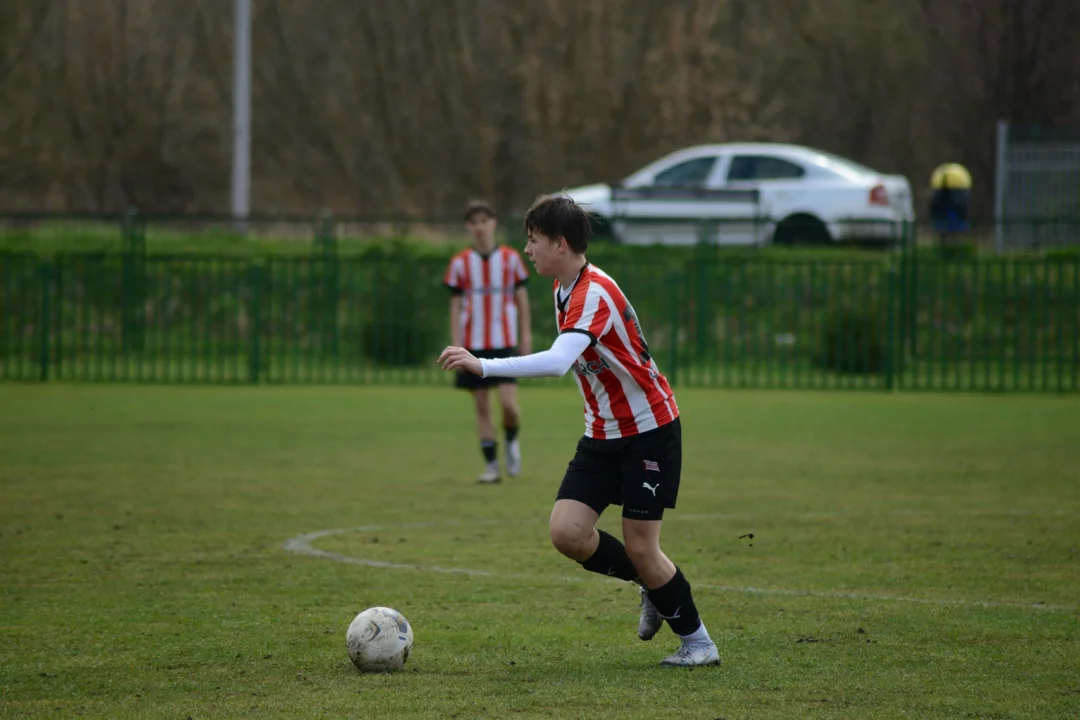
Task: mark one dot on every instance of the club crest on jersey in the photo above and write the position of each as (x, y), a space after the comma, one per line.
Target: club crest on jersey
(593, 367)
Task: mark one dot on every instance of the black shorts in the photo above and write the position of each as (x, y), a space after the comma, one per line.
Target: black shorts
(640, 472)
(468, 381)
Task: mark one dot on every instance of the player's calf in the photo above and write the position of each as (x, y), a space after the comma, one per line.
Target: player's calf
(511, 417)
(652, 566)
(489, 446)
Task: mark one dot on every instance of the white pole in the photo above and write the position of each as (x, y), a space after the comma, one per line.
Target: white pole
(1001, 176)
(241, 140)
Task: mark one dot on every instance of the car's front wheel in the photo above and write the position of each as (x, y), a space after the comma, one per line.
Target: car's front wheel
(801, 230)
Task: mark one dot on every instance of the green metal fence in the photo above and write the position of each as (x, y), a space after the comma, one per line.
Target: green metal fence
(890, 321)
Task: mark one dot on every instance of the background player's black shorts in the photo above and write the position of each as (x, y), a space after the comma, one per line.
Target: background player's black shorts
(468, 381)
(640, 472)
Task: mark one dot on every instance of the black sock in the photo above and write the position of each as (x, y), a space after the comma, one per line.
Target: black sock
(676, 604)
(488, 447)
(610, 559)
(511, 434)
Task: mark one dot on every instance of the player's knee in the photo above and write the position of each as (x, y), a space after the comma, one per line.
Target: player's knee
(569, 539)
(508, 399)
(641, 549)
(483, 403)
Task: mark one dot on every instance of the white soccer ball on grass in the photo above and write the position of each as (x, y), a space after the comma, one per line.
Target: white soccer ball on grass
(379, 640)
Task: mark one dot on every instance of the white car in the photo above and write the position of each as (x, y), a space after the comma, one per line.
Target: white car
(750, 194)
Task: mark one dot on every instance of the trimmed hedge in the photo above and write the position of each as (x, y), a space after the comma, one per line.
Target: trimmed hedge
(853, 341)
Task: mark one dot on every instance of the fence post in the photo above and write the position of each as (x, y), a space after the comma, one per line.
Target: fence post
(699, 267)
(326, 241)
(908, 292)
(890, 326)
(674, 281)
(45, 275)
(133, 280)
(255, 280)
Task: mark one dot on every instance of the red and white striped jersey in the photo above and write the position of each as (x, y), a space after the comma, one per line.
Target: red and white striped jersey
(487, 283)
(624, 392)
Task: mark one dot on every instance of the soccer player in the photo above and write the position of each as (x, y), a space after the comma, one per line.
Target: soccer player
(489, 309)
(631, 452)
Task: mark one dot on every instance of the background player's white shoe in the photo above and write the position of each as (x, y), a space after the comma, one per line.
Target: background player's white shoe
(651, 620)
(490, 474)
(513, 458)
(693, 655)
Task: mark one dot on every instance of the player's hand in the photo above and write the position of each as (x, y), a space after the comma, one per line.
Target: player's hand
(525, 347)
(458, 358)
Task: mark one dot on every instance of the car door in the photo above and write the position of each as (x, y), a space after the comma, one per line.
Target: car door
(670, 208)
(773, 177)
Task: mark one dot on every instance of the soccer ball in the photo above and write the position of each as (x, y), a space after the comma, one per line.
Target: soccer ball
(379, 640)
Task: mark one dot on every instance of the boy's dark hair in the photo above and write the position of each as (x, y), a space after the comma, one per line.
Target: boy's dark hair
(479, 206)
(559, 216)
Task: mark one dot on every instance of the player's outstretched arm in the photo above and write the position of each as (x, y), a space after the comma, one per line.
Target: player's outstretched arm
(552, 362)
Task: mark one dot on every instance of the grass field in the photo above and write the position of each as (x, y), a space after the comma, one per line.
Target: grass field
(198, 552)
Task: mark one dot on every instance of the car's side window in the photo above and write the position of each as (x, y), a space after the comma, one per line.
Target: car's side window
(689, 173)
(763, 167)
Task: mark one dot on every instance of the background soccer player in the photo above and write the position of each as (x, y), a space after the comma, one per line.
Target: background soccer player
(489, 315)
(631, 453)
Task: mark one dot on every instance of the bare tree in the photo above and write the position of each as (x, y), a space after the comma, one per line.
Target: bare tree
(21, 112)
(999, 59)
(411, 107)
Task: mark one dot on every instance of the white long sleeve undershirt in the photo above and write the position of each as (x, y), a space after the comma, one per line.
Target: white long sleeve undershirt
(548, 363)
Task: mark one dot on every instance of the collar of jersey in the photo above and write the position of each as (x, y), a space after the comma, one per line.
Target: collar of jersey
(562, 300)
(574, 284)
(485, 256)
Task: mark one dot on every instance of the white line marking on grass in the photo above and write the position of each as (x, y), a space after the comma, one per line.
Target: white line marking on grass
(303, 545)
(841, 515)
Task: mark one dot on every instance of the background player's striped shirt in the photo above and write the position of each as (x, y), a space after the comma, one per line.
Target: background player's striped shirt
(487, 284)
(624, 392)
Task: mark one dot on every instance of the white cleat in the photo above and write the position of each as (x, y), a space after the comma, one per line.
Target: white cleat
(693, 655)
(490, 474)
(651, 620)
(513, 459)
